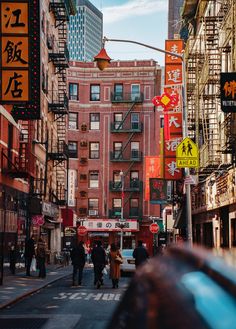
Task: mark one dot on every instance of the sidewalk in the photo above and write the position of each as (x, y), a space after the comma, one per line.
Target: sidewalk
(18, 286)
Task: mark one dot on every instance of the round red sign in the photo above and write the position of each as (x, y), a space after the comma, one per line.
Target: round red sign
(82, 230)
(154, 228)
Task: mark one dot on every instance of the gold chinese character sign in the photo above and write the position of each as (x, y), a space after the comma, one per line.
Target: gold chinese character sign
(20, 57)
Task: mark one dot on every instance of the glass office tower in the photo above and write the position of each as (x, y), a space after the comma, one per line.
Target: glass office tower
(85, 32)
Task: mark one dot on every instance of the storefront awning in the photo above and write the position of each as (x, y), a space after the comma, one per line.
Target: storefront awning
(180, 221)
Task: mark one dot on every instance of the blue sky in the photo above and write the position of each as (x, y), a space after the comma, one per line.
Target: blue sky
(144, 21)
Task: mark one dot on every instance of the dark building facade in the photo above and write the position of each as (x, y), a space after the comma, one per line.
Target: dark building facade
(174, 17)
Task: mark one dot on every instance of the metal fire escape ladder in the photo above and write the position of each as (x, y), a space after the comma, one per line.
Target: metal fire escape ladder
(210, 156)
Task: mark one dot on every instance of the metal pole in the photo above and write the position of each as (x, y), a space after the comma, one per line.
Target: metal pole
(3, 235)
(186, 170)
(122, 209)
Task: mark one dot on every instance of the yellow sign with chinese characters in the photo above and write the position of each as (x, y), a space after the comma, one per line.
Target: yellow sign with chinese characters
(187, 155)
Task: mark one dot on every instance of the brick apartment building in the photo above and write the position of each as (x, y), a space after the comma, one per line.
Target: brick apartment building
(112, 126)
(32, 134)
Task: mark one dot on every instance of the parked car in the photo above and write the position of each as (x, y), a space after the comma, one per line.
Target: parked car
(128, 264)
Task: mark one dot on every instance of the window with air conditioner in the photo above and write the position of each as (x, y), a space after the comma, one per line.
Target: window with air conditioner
(93, 207)
(93, 179)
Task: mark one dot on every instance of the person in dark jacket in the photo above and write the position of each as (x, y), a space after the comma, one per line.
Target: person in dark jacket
(78, 262)
(12, 258)
(29, 253)
(41, 257)
(98, 257)
(140, 254)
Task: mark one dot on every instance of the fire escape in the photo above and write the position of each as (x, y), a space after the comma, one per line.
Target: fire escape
(208, 93)
(22, 163)
(58, 100)
(125, 154)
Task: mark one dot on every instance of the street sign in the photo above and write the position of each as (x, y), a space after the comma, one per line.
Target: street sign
(82, 230)
(154, 228)
(187, 154)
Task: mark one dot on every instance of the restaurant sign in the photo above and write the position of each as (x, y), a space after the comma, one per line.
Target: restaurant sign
(20, 57)
(228, 92)
(111, 225)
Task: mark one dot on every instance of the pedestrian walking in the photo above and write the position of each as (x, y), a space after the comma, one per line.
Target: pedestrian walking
(29, 253)
(78, 262)
(41, 257)
(140, 254)
(115, 259)
(98, 257)
(12, 258)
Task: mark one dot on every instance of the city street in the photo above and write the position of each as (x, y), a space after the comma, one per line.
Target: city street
(60, 305)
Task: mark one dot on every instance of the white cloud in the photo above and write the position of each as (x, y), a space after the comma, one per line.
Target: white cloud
(133, 8)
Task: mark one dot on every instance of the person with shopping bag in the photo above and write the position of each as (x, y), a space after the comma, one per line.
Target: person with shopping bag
(115, 259)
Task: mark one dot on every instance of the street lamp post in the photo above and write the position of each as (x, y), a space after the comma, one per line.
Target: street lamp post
(103, 60)
(121, 224)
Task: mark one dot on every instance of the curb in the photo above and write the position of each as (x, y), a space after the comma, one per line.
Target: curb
(30, 292)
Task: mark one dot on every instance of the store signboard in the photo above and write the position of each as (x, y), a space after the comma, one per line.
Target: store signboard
(111, 225)
(20, 57)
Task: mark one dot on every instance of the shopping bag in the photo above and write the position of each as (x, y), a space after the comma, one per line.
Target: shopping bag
(104, 271)
(33, 265)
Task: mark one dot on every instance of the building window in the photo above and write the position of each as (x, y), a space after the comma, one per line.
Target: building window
(73, 120)
(73, 149)
(74, 91)
(134, 150)
(95, 93)
(118, 92)
(134, 179)
(93, 179)
(94, 150)
(116, 207)
(93, 207)
(134, 120)
(134, 207)
(135, 92)
(118, 117)
(117, 150)
(117, 179)
(94, 121)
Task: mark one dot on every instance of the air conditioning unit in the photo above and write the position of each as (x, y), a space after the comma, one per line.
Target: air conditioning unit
(83, 127)
(93, 212)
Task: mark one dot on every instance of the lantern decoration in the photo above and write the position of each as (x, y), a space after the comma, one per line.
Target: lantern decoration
(166, 100)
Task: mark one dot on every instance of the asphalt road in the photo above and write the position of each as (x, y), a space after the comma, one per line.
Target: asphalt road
(60, 305)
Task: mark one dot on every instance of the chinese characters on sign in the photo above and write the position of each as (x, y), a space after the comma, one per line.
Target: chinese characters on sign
(20, 57)
(173, 118)
(228, 92)
(153, 169)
